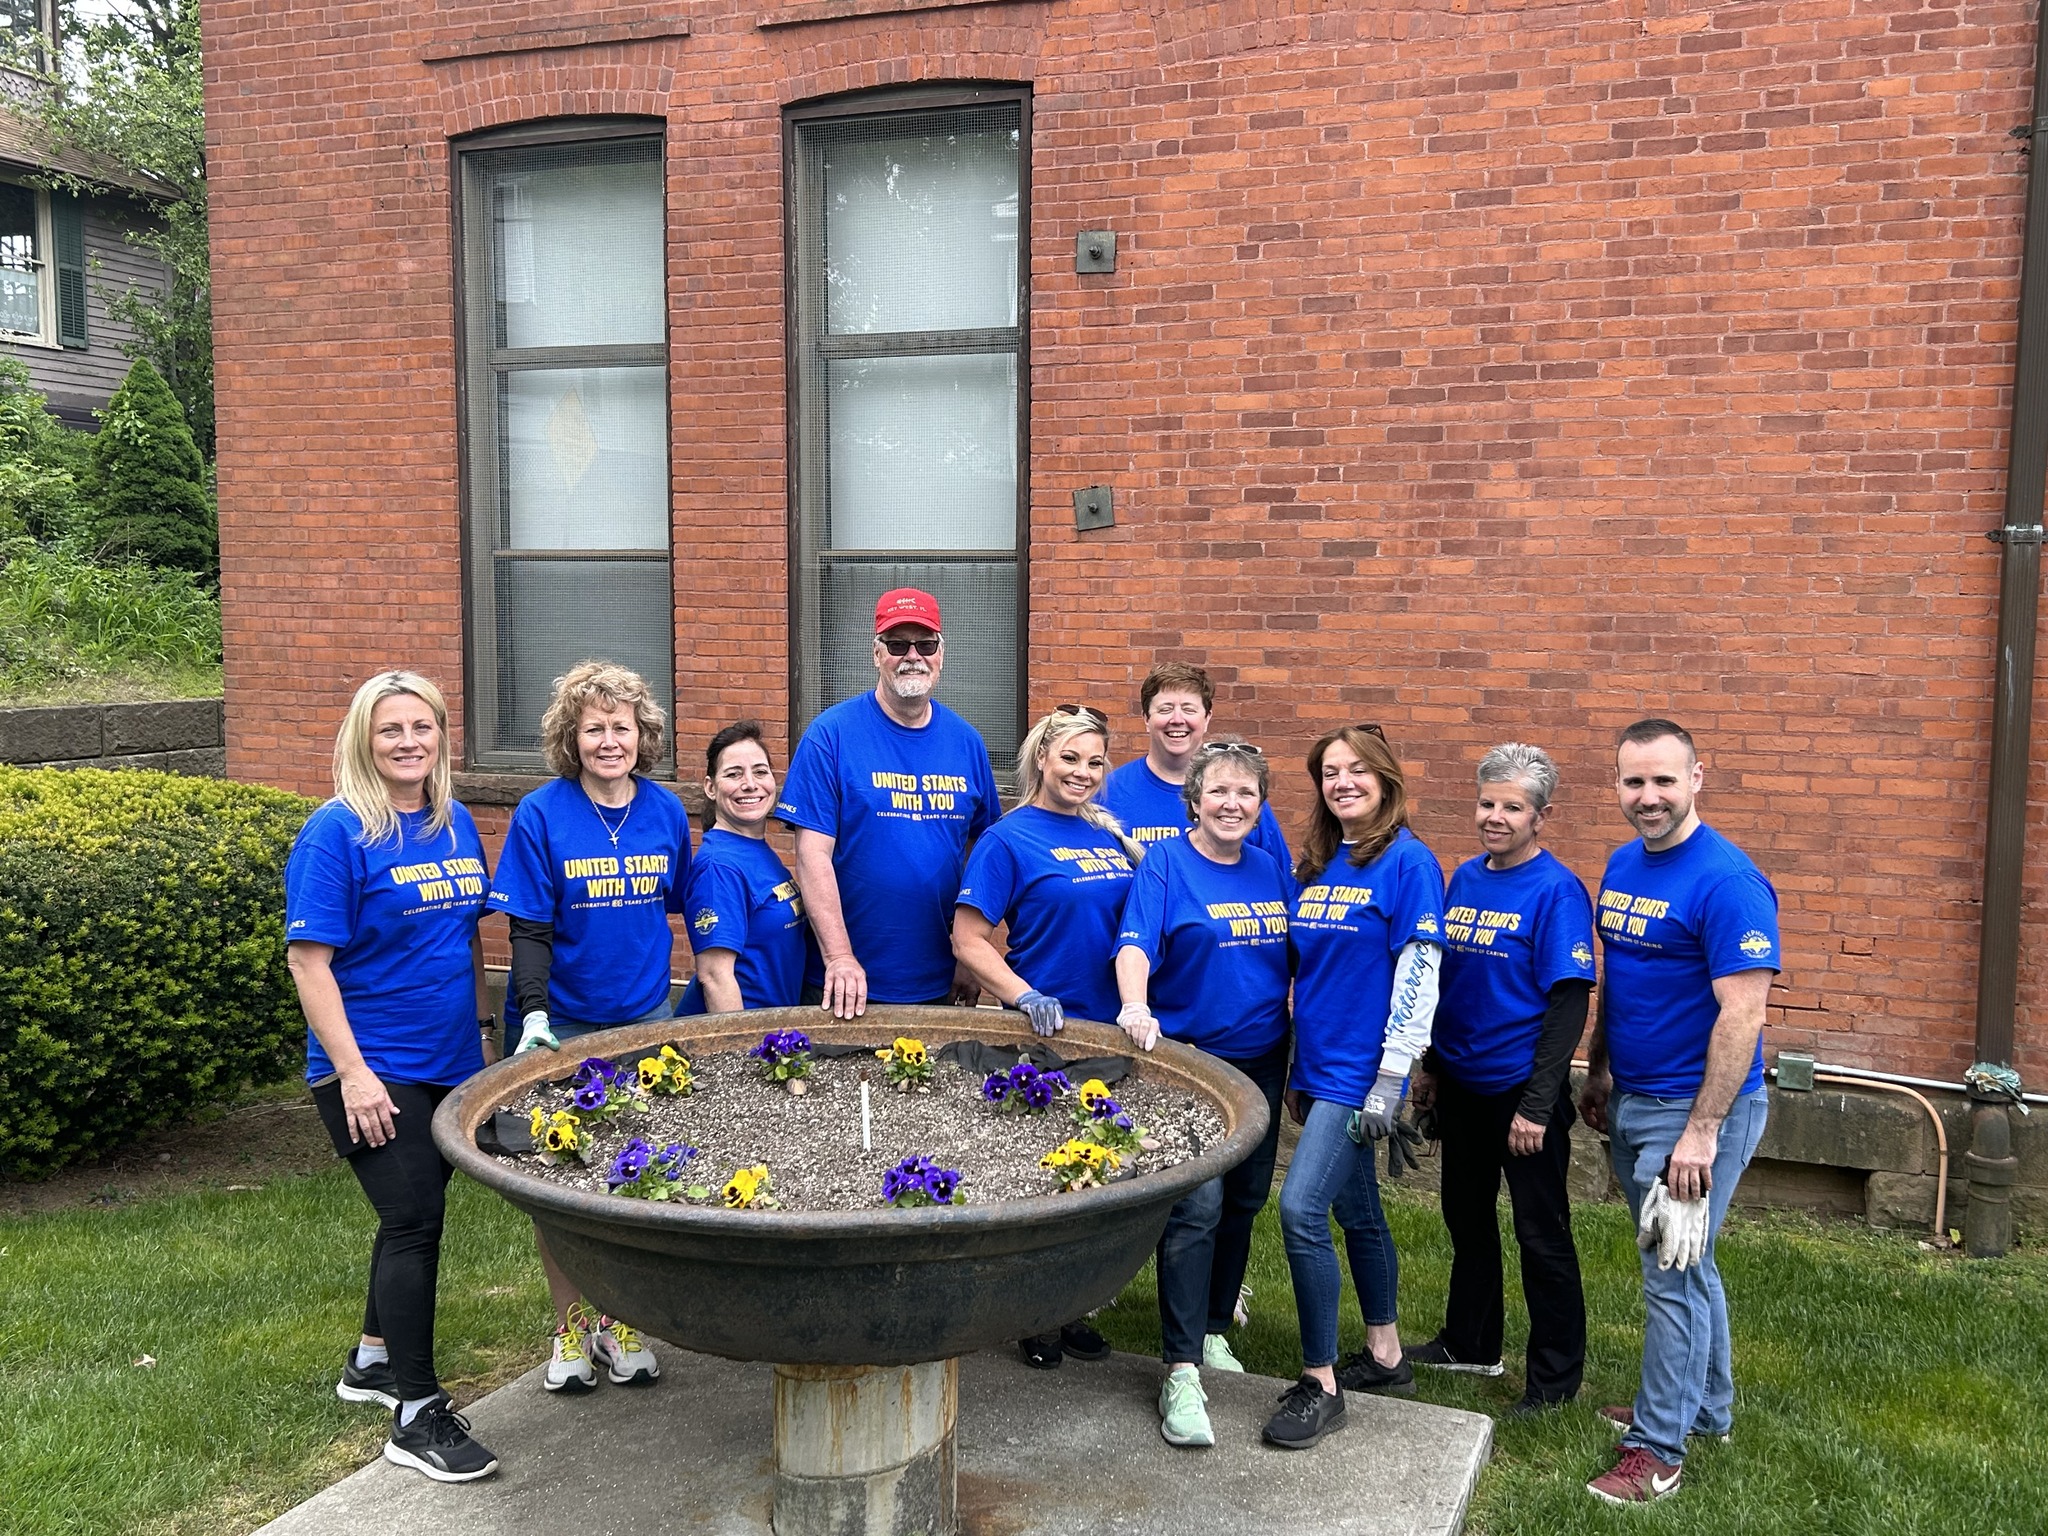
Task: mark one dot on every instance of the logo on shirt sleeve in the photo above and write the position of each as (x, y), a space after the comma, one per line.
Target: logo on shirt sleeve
(1755, 944)
(705, 920)
(1582, 955)
(1425, 924)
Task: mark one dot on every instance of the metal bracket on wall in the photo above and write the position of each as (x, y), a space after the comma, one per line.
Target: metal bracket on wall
(1095, 250)
(2014, 534)
(1094, 507)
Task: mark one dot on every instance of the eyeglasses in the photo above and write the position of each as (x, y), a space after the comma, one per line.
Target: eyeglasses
(1217, 748)
(1083, 711)
(896, 647)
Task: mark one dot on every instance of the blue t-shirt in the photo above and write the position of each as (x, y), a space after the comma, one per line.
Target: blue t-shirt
(609, 903)
(1671, 923)
(1152, 810)
(742, 898)
(903, 805)
(1510, 935)
(1060, 885)
(1349, 926)
(400, 918)
(1216, 935)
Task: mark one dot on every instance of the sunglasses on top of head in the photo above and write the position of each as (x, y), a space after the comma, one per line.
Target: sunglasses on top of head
(1216, 748)
(897, 646)
(1093, 716)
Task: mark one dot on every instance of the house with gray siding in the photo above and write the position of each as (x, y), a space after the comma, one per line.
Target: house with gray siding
(65, 253)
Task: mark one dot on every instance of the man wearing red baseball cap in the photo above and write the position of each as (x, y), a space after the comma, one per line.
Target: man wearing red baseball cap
(886, 792)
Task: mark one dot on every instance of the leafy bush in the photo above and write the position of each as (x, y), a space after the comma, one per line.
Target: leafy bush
(149, 480)
(63, 617)
(142, 964)
(43, 465)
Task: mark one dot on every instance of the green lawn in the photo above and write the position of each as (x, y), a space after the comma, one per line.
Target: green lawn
(1884, 1389)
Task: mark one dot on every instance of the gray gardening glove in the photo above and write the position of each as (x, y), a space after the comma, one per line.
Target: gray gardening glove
(534, 1032)
(1374, 1119)
(1046, 1015)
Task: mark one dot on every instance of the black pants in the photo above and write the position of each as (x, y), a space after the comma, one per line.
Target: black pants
(1474, 1130)
(406, 1181)
(1208, 1238)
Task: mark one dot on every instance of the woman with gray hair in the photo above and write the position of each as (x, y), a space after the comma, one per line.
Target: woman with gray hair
(1202, 956)
(1518, 967)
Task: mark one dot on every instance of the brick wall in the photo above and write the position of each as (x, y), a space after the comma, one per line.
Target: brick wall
(1489, 371)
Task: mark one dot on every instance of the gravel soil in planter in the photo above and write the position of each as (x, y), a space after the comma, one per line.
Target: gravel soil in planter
(811, 1142)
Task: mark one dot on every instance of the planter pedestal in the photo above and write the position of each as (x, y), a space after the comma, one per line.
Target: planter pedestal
(866, 1450)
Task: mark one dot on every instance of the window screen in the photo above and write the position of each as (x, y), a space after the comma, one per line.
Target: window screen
(566, 431)
(21, 273)
(909, 356)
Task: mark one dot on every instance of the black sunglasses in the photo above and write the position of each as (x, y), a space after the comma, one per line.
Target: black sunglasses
(1370, 729)
(1083, 711)
(896, 647)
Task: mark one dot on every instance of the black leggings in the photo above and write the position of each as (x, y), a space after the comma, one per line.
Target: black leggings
(406, 1182)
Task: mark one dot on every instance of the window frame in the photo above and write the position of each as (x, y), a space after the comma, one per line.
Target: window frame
(45, 334)
(898, 101)
(480, 702)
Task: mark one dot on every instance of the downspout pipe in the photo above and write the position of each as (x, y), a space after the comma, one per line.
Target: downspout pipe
(1987, 1228)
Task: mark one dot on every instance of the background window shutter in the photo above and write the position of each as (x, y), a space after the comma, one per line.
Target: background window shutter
(67, 221)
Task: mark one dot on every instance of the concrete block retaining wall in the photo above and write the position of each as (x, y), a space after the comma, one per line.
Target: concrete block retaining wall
(182, 736)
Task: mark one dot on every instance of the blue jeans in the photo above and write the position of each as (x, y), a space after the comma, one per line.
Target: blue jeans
(1208, 1236)
(1332, 1174)
(1688, 1382)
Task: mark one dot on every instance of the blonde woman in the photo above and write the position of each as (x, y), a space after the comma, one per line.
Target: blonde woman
(382, 894)
(594, 862)
(1056, 869)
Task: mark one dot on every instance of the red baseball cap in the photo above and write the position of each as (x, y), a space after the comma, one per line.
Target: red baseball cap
(906, 605)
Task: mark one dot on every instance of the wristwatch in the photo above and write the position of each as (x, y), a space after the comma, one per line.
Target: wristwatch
(487, 1024)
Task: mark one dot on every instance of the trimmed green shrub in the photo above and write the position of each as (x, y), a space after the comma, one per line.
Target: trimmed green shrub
(142, 968)
(149, 480)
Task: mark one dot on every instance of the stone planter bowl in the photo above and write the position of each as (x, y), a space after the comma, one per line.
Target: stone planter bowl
(876, 1288)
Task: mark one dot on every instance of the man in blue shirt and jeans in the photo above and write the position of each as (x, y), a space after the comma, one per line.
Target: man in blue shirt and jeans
(886, 792)
(1689, 927)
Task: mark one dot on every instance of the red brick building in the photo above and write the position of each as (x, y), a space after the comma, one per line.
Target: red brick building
(1490, 370)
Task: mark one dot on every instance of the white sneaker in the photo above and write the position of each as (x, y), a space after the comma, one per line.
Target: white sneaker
(1216, 1355)
(569, 1368)
(627, 1361)
(1183, 1409)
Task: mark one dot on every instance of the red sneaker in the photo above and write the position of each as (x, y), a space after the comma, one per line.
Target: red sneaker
(1637, 1477)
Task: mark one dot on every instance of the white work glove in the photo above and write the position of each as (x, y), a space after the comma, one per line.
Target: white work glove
(534, 1031)
(1685, 1234)
(1136, 1020)
(1677, 1229)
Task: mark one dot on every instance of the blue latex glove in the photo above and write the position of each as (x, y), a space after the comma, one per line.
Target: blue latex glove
(1047, 1018)
(1374, 1119)
(534, 1032)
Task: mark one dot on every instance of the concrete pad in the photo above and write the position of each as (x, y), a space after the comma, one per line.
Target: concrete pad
(1042, 1453)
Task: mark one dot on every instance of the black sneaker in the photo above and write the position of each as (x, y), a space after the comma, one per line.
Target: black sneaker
(1306, 1414)
(367, 1383)
(1083, 1342)
(1042, 1353)
(1436, 1354)
(1536, 1407)
(1362, 1373)
(437, 1443)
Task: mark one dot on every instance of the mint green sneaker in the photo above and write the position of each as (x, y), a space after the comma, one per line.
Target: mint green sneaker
(1183, 1411)
(1216, 1355)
